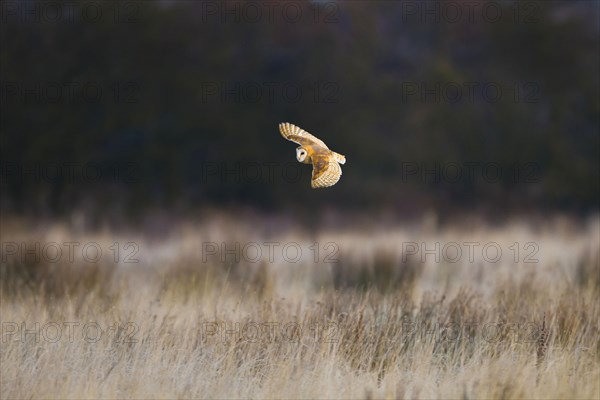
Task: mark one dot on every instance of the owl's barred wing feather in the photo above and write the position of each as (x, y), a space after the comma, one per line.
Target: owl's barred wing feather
(298, 135)
(326, 172)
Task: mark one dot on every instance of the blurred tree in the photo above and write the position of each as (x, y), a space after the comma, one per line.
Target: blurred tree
(171, 90)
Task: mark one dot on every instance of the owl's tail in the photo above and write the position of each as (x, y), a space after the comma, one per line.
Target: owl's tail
(339, 158)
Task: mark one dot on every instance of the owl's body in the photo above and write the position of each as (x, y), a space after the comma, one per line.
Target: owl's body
(326, 163)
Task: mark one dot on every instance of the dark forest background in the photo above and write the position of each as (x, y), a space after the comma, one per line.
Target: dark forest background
(122, 107)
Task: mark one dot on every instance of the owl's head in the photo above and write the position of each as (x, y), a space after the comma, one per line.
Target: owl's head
(301, 154)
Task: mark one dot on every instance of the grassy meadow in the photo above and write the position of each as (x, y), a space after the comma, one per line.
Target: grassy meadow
(259, 307)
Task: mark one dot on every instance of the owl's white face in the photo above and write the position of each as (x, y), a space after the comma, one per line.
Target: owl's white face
(301, 154)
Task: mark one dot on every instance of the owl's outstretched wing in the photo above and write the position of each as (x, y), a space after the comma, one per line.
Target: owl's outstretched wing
(298, 135)
(326, 172)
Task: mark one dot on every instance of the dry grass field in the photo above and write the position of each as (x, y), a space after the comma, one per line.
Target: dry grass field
(258, 308)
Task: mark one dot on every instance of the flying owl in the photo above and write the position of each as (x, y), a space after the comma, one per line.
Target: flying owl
(326, 163)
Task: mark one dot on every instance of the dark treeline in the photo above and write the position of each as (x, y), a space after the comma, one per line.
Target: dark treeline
(130, 105)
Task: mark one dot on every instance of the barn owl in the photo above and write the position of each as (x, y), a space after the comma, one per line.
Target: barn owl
(326, 163)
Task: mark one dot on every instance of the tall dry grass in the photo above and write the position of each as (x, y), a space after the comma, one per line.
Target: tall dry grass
(377, 323)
